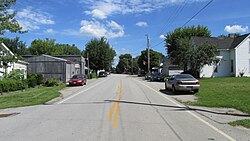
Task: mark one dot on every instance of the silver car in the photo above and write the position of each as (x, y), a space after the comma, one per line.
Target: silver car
(182, 82)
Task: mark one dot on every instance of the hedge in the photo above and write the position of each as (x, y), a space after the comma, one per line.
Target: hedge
(8, 85)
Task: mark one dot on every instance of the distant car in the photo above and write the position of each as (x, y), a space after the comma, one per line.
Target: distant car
(182, 82)
(102, 74)
(148, 76)
(157, 76)
(141, 74)
(78, 79)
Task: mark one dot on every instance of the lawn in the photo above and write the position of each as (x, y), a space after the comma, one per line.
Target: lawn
(32, 96)
(225, 92)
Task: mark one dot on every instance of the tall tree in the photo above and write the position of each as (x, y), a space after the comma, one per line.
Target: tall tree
(16, 46)
(125, 64)
(101, 54)
(195, 56)
(49, 47)
(154, 59)
(7, 18)
(179, 33)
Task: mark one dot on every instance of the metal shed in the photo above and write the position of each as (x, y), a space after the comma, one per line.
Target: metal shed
(50, 67)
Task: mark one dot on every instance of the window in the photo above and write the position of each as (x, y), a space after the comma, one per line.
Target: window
(232, 65)
(216, 65)
(249, 47)
(249, 66)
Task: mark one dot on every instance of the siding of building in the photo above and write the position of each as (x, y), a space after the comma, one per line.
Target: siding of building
(50, 67)
(243, 57)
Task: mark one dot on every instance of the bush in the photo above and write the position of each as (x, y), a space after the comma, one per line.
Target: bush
(34, 79)
(16, 74)
(52, 83)
(7, 85)
(93, 75)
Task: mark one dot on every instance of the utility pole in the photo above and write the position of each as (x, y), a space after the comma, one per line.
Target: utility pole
(148, 43)
(88, 64)
(132, 65)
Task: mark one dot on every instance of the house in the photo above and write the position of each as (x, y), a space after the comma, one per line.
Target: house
(60, 67)
(10, 66)
(233, 55)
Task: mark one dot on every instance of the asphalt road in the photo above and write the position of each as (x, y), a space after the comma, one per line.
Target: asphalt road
(115, 108)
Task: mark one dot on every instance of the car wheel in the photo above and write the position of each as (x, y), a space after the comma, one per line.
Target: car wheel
(173, 90)
(166, 87)
(196, 91)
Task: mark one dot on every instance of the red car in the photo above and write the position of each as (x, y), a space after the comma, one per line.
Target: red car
(78, 79)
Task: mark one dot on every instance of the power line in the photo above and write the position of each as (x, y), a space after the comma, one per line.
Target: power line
(198, 12)
(189, 19)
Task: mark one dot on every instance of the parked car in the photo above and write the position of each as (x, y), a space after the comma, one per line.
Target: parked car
(102, 74)
(182, 82)
(78, 79)
(148, 76)
(157, 76)
(141, 74)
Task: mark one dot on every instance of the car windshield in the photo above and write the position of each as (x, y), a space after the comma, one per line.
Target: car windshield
(185, 76)
(77, 77)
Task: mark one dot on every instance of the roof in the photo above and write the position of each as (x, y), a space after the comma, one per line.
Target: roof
(43, 58)
(221, 43)
(6, 48)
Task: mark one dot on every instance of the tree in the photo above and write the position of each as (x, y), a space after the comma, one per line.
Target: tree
(195, 56)
(101, 55)
(7, 18)
(179, 33)
(125, 64)
(49, 47)
(154, 59)
(39, 46)
(16, 46)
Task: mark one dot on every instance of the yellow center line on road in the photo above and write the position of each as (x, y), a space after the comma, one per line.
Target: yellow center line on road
(117, 107)
(112, 110)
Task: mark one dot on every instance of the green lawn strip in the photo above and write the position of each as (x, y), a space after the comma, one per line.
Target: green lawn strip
(244, 123)
(32, 96)
(226, 93)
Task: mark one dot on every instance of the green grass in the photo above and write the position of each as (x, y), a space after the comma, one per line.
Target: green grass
(225, 92)
(244, 123)
(32, 96)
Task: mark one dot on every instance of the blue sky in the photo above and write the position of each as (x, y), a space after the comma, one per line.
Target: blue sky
(125, 22)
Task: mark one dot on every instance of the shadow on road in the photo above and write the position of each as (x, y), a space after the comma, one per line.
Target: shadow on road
(168, 92)
(179, 108)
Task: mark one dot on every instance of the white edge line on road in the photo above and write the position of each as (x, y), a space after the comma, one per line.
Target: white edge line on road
(200, 119)
(84, 90)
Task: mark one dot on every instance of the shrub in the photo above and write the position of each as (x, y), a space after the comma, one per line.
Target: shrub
(52, 83)
(7, 85)
(34, 79)
(93, 75)
(16, 74)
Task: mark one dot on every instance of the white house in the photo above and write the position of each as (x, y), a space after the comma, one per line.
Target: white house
(19, 65)
(233, 55)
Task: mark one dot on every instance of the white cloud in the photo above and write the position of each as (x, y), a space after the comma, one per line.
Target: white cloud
(97, 29)
(49, 31)
(31, 19)
(102, 9)
(142, 24)
(236, 29)
(162, 36)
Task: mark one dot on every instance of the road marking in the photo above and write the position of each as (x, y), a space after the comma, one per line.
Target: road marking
(84, 90)
(191, 113)
(112, 110)
(116, 107)
(116, 115)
